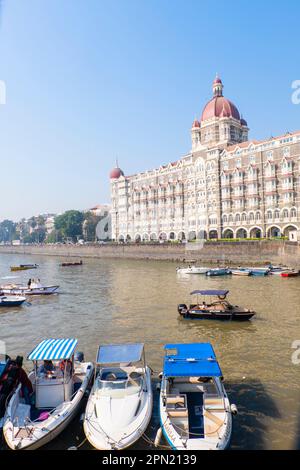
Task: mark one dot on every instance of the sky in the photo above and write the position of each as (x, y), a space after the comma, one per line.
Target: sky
(89, 81)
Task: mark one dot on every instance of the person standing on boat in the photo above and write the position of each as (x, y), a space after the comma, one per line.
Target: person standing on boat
(29, 283)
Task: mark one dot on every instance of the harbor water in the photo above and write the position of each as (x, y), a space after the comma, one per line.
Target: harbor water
(116, 301)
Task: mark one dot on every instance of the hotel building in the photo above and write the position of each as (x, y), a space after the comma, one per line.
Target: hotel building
(227, 186)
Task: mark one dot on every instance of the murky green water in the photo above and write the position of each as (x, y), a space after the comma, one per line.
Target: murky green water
(107, 301)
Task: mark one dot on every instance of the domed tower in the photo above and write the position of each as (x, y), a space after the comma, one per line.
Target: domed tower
(221, 123)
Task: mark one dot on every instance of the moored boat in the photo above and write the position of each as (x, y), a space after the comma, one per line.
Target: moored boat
(195, 413)
(218, 272)
(241, 272)
(192, 270)
(70, 263)
(21, 290)
(59, 385)
(290, 273)
(11, 300)
(120, 404)
(259, 271)
(24, 267)
(218, 309)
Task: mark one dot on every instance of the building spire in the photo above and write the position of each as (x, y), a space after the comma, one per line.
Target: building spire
(218, 86)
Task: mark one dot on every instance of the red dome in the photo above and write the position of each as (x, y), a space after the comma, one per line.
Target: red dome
(217, 80)
(220, 107)
(116, 173)
(196, 123)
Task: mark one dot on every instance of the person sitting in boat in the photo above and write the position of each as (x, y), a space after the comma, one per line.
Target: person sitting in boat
(46, 368)
(14, 374)
(66, 365)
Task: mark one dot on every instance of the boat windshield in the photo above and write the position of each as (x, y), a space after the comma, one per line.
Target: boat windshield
(116, 385)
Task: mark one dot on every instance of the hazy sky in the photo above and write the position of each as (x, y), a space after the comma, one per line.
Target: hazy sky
(89, 80)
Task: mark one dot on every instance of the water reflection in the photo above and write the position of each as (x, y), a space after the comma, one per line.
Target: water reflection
(107, 301)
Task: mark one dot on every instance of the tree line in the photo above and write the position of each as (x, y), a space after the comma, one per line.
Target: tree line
(72, 226)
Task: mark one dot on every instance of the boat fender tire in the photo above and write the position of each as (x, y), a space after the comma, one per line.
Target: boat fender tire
(233, 409)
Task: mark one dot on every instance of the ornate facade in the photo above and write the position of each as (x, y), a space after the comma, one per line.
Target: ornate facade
(226, 187)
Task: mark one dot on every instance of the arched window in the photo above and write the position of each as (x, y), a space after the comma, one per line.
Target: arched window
(293, 213)
(276, 215)
(269, 215)
(237, 218)
(285, 214)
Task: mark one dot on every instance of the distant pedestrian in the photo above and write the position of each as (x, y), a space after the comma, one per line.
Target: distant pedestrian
(29, 283)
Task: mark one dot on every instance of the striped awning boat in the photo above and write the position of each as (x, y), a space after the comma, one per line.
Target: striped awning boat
(53, 349)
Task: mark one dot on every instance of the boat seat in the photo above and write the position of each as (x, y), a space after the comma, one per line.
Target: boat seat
(212, 417)
(178, 413)
(213, 403)
(172, 400)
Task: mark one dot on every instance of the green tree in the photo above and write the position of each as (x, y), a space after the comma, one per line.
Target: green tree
(7, 231)
(69, 224)
(54, 237)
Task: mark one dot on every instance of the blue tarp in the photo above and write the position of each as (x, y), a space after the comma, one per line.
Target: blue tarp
(117, 353)
(53, 349)
(191, 360)
(210, 292)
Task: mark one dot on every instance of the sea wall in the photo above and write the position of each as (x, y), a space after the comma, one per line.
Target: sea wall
(229, 253)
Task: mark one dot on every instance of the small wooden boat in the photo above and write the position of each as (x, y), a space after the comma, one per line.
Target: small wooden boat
(11, 300)
(218, 272)
(241, 272)
(75, 263)
(218, 309)
(195, 412)
(120, 404)
(290, 274)
(192, 270)
(59, 385)
(24, 267)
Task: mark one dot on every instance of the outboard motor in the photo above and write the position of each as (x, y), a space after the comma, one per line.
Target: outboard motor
(79, 356)
(182, 309)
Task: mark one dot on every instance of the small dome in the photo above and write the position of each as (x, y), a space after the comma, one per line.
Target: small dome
(196, 123)
(217, 80)
(244, 123)
(116, 173)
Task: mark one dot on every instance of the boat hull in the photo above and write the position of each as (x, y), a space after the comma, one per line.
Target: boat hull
(22, 290)
(11, 301)
(50, 428)
(224, 316)
(102, 440)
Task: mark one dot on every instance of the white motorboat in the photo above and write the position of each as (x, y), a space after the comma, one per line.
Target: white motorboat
(59, 385)
(11, 300)
(120, 404)
(195, 413)
(34, 289)
(192, 270)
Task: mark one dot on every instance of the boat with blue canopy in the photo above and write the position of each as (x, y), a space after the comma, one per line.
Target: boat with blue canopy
(59, 379)
(195, 413)
(214, 307)
(120, 404)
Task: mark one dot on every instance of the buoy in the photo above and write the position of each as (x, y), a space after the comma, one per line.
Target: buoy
(233, 409)
(160, 375)
(72, 448)
(158, 437)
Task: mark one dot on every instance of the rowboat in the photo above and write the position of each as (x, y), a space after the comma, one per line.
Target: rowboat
(75, 263)
(19, 289)
(241, 272)
(195, 413)
(259, 271)
(192, 270)
(24, 267)
(120, 404)
(11, 300)
(218, 309)
(218, 272)
(58, 390)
